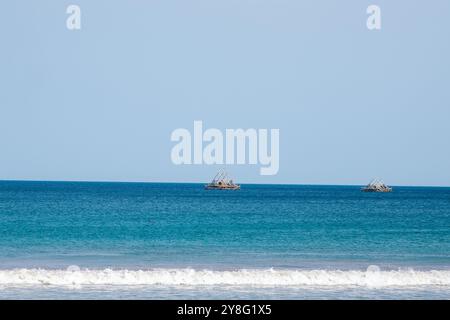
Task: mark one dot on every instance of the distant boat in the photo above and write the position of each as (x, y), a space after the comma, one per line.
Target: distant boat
(222, 182)
(376, 186)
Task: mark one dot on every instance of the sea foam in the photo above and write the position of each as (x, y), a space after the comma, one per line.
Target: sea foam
(242, 277)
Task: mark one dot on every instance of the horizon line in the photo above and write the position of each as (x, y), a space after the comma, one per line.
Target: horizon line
(191, 182)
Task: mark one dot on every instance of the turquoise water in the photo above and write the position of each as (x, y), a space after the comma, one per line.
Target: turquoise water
(149, 240)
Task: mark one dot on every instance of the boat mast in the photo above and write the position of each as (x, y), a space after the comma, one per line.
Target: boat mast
(215, 177)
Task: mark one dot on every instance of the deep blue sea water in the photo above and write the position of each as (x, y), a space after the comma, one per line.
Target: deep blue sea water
(151, 240)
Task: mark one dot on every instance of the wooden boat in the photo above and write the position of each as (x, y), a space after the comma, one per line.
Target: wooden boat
(222, 182)
(376, 186)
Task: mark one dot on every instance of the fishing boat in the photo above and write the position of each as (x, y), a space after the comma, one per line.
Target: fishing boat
(376, 186)
(222, 182)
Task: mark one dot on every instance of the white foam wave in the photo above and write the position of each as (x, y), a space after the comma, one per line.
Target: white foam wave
(191, 277)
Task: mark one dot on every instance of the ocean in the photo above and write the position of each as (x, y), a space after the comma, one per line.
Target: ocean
(88, 240)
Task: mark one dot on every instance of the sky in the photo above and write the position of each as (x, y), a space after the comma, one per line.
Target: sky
(100, 103)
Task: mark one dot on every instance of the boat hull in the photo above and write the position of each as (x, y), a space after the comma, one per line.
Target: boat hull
(217, 187)
(375, 190)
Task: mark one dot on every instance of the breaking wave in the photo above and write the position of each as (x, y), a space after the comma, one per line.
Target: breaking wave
(243, 277)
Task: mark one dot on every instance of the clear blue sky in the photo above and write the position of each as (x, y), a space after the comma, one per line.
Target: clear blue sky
(351, 104)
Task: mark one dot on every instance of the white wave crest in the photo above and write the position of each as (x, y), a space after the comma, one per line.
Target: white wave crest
(191, 277)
